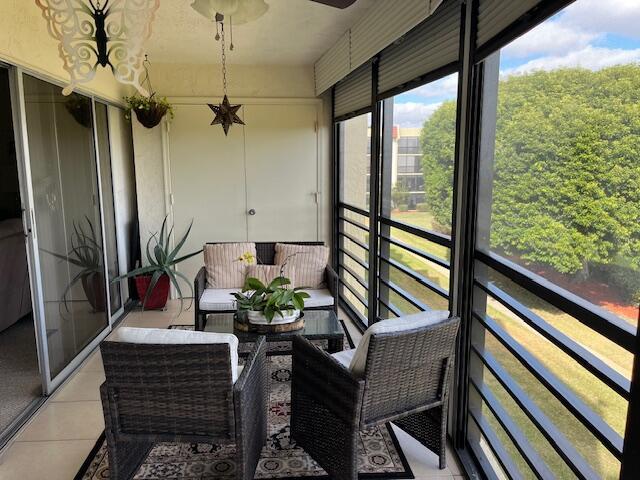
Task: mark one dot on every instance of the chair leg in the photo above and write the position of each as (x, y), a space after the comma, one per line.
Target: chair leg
(125, 457)
(430, 429)
(201, 320)
(329, 441)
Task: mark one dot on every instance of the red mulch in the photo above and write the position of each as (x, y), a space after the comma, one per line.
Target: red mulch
(596, 292)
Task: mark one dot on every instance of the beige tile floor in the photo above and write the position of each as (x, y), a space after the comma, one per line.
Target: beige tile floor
(55, 442)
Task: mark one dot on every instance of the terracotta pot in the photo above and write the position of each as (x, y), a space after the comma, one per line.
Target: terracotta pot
(158, 297)
(152, 116)
(93, 285)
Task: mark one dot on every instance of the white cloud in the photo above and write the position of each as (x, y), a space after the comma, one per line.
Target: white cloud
(548, 38)
(582, 23)
(593, 58)
(413, 114)
(445, 87)
(618, 17)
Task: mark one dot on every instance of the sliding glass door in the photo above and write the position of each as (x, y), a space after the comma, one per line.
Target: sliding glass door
(68, 225)
(21, 387)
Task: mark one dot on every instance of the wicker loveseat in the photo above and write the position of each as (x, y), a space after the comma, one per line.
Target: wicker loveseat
(212, 300)
(399, 376)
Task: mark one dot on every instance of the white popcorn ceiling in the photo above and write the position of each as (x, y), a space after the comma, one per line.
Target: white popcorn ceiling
(292, 32)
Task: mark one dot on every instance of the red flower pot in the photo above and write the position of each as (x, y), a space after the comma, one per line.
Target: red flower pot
(157, 298)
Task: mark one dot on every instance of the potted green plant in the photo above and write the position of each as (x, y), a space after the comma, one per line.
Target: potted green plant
(270, 304)
(86, 254)
(153, 281)
(149, 110)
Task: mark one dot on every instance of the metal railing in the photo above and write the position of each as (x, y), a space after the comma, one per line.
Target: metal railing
(596, 319)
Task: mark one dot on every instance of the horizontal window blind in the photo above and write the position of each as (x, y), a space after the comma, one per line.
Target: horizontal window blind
(334, 65)
(432, 45)
(354, 92)
(382, 24)
(385, 23)
(496, 15)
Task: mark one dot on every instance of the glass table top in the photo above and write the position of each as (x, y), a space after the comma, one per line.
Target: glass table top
(320, 324)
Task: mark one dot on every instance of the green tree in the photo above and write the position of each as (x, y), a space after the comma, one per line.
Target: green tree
(438, 139)
(566, 190)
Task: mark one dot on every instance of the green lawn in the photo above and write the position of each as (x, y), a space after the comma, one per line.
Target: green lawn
(601, 399)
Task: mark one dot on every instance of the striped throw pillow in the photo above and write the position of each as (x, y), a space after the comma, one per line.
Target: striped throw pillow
(309, 262)
(224, 269)
(266, 273)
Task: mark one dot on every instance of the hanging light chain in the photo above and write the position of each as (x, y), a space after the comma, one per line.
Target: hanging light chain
(224, 63)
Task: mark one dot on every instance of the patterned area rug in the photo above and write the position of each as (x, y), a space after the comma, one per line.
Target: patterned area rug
(380, 455)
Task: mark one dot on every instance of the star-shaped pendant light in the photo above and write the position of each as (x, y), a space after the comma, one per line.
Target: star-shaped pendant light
(226, 114)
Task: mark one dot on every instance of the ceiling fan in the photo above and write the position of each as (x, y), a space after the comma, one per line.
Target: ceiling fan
(243, 11)
(336, 3)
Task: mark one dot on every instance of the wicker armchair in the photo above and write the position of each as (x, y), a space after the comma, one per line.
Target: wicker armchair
(406, 381)
(182, 393)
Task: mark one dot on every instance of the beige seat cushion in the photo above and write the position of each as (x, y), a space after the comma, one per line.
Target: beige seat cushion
(165, 336)
(224, 270)
(393, 325)
(309, 262)
(266, 273)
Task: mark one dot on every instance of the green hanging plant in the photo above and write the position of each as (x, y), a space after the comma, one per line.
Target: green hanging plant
(149, 110)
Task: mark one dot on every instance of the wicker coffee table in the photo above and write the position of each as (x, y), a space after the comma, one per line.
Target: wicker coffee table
(318, 325)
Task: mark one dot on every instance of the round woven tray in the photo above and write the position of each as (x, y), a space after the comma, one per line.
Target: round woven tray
(243, 325)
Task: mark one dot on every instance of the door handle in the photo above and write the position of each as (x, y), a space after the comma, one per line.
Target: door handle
(251, 212)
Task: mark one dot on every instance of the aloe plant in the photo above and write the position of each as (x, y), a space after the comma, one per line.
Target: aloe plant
(85, 253)
(162, 261)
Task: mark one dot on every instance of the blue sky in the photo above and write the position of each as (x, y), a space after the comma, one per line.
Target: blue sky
(592, 34)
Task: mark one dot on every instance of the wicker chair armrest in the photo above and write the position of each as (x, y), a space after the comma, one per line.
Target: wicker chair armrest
(255, 362)
(250, 408)
(331, 279)
(318, 375)
(109, 410)
(200, 283)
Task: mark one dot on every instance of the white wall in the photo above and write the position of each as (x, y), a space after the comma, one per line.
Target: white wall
(150, 179)
(246, 84)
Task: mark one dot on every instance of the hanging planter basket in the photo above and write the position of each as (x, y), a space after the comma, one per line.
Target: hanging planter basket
(152, 115)
(79, 108)
(149, 110)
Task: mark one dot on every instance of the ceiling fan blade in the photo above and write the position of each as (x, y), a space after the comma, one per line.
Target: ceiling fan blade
(336, 3)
